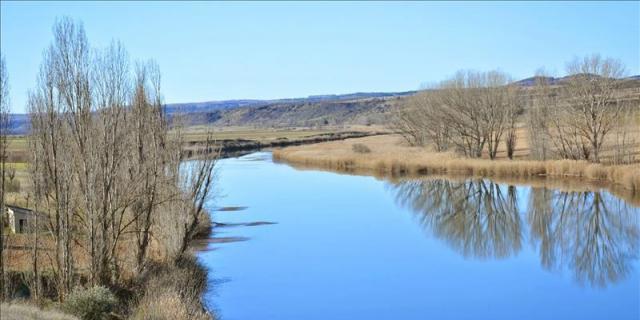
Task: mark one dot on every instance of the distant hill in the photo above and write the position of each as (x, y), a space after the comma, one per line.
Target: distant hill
(361, 108)
(556, 81)
(19, 124)
(304, 113)
(211, 106)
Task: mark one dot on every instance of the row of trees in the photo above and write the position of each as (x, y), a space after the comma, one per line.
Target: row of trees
(108, 175)
(471, 112)
(572, 118)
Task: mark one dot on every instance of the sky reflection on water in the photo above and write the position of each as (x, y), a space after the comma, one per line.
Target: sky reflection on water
(353, 247)
(593, 234)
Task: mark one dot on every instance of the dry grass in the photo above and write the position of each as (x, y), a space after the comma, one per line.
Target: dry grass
(391, 157)
(173, 292)
(15, 311)
(199, 133)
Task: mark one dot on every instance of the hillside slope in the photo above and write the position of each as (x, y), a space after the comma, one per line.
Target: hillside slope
(301, 114)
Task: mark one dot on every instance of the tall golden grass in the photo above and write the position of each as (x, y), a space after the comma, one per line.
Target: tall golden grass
(390, 157)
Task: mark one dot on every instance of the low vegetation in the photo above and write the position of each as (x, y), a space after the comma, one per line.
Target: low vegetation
(95, 303)
(584, 126)
(360, 148)
(391, 156)
(173, 292)
(22, 311)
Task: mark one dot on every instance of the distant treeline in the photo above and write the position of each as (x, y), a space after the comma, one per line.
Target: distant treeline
(574, 117)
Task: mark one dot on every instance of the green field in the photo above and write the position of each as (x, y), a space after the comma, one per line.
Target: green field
(199, 133)
(17, 143)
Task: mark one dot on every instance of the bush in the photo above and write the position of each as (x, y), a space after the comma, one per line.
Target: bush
(91, 304)
(360, 148)
(172, 292)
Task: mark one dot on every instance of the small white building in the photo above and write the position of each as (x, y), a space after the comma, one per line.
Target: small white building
(20, 219)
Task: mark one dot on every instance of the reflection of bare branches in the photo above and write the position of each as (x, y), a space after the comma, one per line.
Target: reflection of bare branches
(594, 234)
(477, 218)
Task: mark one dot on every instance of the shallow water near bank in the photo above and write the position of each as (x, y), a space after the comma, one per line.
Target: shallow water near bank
(354, 247)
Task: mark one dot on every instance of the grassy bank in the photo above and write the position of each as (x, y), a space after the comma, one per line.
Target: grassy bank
(389, 156)
(166, 289)
(232, 142)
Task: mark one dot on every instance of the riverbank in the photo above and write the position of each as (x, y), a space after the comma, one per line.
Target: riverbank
(231, 147)
(389, 156)
(165, 289)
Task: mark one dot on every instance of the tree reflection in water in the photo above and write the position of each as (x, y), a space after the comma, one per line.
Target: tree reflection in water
(594, 234)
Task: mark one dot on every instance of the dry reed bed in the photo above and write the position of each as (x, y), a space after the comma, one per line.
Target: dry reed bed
(389, 157)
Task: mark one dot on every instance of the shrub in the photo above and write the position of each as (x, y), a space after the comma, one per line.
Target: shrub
(91, 304)
(172, 292)
(360, 148)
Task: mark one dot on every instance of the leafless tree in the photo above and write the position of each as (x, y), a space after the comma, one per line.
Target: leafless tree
(105, 165)
(541, 102)
(54, 178)
(470, 111)
(624, 140)
(4, 126)
(419, 121)
(548, 117)
(591, 98)
(574, 118)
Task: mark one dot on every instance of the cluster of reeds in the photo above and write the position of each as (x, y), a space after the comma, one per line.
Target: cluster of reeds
(394, 161)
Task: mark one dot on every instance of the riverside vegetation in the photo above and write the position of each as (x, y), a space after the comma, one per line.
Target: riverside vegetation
(584, 126)
(115, 206)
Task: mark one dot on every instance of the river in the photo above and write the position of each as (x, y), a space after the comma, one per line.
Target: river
(305, 244)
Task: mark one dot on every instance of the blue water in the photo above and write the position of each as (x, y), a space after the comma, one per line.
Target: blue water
(354, 247)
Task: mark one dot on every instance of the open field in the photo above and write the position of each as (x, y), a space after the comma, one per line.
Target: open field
(18, 311)
(233, 140)
(199, 133)
(390, 156)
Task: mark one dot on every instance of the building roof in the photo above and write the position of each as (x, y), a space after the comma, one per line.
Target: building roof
(21, 210)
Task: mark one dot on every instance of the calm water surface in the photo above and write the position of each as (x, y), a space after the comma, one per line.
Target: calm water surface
(351, 247)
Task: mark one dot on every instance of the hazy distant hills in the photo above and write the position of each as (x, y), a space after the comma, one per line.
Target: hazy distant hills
(19, 124)
(299, 113)
(344, 109)
(230, 104)
(557, 81)
(354, 108)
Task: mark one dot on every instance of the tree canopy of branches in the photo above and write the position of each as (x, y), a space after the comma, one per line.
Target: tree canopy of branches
(471, 111)
(574, 119)
(105, 167)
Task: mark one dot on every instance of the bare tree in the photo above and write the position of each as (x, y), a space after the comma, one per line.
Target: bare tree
(419, 121)
(4, 126)
(105, 166)
(54, 175)
(541, 102)
(591, 98)
(624, 139)
(548, 129)
(574, 117)
(470, 111)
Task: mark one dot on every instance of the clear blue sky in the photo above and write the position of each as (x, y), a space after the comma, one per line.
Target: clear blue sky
(216, 51)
